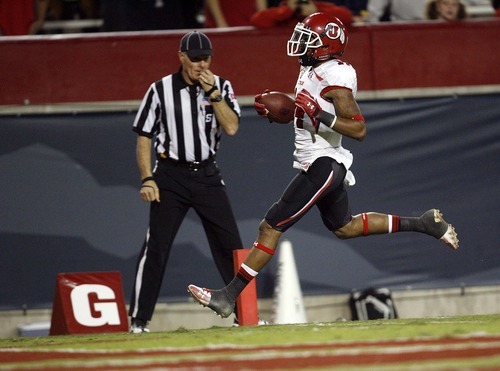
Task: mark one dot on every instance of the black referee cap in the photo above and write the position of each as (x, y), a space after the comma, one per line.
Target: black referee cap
(196, 43)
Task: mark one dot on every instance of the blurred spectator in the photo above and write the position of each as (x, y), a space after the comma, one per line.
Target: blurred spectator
(358, 8)
(141, 15)
(396, 10)
(22, 17)
(231, 13)
(496, 6)
(447, 10)
(289, 12)
(73, 9)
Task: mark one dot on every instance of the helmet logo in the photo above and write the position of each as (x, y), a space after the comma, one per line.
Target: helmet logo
(333, 31)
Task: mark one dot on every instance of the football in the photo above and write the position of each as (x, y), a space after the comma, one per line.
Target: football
(281, 106)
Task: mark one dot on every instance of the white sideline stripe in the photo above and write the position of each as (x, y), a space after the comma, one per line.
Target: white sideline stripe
(167, 359)
(376, 347)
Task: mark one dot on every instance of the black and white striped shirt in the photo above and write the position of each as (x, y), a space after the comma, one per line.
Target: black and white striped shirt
(181, 118)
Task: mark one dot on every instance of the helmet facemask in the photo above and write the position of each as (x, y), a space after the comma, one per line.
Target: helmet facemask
(302, 44)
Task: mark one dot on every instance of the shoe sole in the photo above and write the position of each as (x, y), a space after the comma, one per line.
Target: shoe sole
(450, 237)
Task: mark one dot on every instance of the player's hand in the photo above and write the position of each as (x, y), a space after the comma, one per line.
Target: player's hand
(310, 106)
(261, 110)
(150, 192)
(260, 107)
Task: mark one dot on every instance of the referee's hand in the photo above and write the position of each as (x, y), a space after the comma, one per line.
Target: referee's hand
(149, 191)
(207, 80)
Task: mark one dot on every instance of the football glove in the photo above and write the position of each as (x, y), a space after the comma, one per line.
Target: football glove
(310, 106)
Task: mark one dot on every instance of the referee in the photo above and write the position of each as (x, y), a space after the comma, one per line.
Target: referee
(183, 116)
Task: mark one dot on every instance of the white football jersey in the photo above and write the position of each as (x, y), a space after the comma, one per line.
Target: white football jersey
(333, 74)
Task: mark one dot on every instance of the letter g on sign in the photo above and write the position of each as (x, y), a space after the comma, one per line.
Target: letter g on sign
(83, 307)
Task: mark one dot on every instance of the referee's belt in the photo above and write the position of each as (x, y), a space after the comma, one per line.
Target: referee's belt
(191, 165)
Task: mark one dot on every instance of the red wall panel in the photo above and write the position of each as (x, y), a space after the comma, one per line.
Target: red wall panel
(436, 54)
(120, 66)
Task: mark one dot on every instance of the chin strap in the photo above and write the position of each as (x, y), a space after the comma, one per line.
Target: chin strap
(309, 60)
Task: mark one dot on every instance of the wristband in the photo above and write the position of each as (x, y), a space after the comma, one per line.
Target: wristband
(212, 89)
(333, 122)
(327, 118)
(216, 99)
(148, 178)
(147, 186)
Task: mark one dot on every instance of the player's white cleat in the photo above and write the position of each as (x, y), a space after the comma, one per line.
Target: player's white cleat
(201, 295)
(214, 299)
(437, 227)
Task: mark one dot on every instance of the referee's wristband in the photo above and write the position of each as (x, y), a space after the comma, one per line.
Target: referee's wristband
(148, 178)
(327, 118)
(212, 89)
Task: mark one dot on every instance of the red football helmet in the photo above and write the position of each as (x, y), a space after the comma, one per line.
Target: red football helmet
(319, 37)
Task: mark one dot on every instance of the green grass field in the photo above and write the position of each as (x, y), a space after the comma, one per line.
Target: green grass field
(274, 334)
(162, 349)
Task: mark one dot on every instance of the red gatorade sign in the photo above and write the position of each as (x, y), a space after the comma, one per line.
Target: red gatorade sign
(90, 302)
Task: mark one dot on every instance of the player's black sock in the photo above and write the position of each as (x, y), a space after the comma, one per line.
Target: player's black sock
(429, 223)
(413, 224)
(235, 287)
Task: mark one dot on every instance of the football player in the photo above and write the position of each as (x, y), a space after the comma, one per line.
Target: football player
(326, 110)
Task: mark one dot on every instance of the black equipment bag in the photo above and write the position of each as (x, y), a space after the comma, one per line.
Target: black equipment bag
(372, 304)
